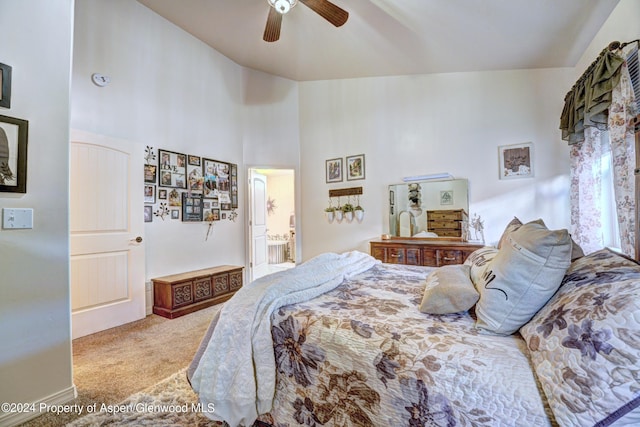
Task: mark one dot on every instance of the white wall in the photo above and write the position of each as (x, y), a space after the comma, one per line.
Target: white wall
(414, 125)
(35, 334)
(171, 91)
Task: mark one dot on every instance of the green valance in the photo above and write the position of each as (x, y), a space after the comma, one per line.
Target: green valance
(587, 103)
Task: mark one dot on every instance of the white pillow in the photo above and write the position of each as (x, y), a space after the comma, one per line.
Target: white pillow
(525, 273)
(448, 290)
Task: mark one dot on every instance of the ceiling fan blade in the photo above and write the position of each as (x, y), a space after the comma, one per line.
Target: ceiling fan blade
(329, 11)
(272, 29)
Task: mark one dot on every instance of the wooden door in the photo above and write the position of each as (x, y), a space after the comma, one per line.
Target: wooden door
(259, 262)
(106, 226)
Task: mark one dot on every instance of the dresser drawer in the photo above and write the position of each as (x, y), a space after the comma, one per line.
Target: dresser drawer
(447, 257)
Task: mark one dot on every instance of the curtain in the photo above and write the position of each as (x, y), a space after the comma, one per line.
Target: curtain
(621, 133)
(586, 191)
(588, 101)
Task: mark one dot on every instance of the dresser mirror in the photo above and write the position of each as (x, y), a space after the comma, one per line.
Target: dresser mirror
(429, 210)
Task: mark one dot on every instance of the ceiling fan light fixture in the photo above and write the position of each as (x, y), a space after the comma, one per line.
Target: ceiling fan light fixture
(282, 6)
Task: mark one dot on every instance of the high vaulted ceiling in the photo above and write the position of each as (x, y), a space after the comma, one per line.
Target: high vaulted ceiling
(395, 37)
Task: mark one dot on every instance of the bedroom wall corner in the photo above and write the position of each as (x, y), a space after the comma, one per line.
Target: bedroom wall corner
(35, 359)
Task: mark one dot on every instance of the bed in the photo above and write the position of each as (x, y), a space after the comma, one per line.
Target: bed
(343, 340)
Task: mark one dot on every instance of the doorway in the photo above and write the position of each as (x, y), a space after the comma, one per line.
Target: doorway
(272, 221)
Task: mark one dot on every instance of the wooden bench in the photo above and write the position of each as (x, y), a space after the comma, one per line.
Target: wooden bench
(179, 294)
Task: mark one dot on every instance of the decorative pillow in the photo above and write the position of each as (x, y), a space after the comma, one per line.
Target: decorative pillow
(525, 273)
(449, 290)
(479, 262)
(576, 250)
(585, 343)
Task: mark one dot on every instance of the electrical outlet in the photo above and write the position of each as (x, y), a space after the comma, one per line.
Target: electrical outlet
(13, 219)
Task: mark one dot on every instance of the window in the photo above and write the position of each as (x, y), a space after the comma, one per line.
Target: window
(609, 219)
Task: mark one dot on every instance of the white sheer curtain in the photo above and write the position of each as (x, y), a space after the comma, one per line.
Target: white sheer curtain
(587, 202)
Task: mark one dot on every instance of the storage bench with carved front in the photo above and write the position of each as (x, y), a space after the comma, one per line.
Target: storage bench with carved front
(179, 294)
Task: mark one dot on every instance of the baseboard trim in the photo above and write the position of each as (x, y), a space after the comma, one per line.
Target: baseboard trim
(15, 418)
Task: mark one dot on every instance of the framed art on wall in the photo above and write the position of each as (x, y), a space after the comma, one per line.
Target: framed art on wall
(5, 86)
(173, 169)
(195, 181)
(216, 178)
(516, 161)
(355, 167)
(234, 186)
(149, 193)
(333, 170)
(191, 207)
(13, 154)
(150, 173)
(148, 214)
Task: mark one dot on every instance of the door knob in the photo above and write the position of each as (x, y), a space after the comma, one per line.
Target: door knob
(137, 239)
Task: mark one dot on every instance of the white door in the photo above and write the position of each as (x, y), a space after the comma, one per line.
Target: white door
(107, 227)
(259, 263)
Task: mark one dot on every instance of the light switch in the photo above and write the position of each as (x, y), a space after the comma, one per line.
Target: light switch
(17, 218)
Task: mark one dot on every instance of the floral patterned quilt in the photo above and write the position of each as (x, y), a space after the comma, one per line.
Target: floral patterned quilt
(364, 355)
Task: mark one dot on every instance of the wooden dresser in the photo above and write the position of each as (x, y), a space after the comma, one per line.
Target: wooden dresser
(432, 253)
(184, 293)
(451, 223)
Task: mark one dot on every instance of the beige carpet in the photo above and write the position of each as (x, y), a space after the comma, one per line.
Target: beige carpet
(111, 365)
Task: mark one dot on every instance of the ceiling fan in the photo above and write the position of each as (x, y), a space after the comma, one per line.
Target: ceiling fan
(329, 11)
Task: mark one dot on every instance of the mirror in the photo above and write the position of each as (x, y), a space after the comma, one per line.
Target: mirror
(409, 203)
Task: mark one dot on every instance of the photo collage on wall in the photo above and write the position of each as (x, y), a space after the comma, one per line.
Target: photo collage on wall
(190, 187)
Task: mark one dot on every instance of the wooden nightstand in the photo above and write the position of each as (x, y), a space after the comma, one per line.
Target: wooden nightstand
(431, 253)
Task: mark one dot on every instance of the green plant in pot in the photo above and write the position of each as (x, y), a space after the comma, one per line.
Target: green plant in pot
(359, 213)
(348, 209)
(330, 213)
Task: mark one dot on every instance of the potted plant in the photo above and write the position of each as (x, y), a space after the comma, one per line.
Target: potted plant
(359, 213)
(347, 209)
(330, 213)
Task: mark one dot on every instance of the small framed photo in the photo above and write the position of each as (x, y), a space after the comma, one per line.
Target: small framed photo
(5, 86)
(13, 155)
(516, 161)
(225, 206)
(173, 169)
(175, 214)
(446, 197)
(148, 214)
(150, 173)
(333, 170)
(355, 167)
(193, 160)
(216, 214)
(150, 194)
(162, 194)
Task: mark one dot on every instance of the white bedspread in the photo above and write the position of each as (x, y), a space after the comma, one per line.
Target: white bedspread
(237, 370)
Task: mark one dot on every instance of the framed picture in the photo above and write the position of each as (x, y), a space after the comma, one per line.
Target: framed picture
(150, 173)
(174, 198)
(516, 161)
(216, 214)
(191, 207)
(193, 160)
(148, 214)
(195, 181)
(333, 170)
(446, 197)
(149, 193)
(216, 178)
(175, 214)
(13, 155)
(215, 203)
(225, 206)
(173, 169)
(355, 167)
(234, 186)
(162, 194)
(5, 86)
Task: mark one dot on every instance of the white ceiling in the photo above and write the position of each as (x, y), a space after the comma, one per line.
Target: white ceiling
(395, 37)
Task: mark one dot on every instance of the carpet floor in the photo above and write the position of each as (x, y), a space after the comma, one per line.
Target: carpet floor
(112, 365)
